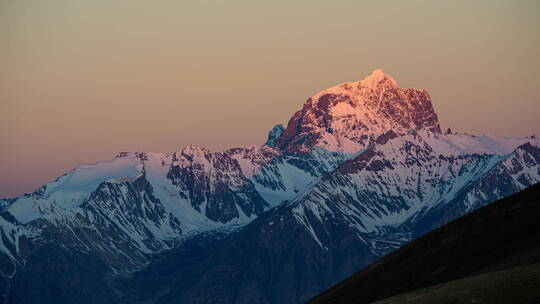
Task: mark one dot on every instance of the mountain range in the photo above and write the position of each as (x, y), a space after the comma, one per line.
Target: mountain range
(362, 169)
(491, 255)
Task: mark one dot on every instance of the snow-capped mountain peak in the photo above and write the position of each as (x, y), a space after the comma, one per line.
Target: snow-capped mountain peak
(376, 77)
(350, 116)
(360, 170)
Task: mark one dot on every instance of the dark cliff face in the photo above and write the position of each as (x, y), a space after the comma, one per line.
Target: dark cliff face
(274, 135)
(214, 185)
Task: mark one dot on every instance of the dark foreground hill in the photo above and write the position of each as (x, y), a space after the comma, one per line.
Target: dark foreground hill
(489, 256)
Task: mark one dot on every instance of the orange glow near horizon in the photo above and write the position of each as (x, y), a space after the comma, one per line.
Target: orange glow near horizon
(82, 80)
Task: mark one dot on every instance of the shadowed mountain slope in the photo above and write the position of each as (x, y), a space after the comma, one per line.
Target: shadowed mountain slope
(490, 255)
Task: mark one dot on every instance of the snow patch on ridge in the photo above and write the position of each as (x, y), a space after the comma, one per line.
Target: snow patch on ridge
(456, 144)
(70, 190)
(85, 178)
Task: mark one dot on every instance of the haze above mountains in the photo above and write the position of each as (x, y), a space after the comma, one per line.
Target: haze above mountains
(360, 170)
(162, 77)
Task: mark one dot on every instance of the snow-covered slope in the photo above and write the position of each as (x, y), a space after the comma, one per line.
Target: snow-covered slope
(151, 201)
(408, 178)
(397, 189)
(360, 170)
(70, 190)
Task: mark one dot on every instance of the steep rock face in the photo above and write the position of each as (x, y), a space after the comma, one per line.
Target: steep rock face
(358, 172)
(351, 116)
(421, 177)
(122, 212)
(290, 174)
(274, 134)
(129, 208)
(214, 185)
(366, 208)
(72, 255)
(517, 171)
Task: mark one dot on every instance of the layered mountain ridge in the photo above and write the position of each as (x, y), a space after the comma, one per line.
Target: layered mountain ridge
(490, 255)
(360, 170)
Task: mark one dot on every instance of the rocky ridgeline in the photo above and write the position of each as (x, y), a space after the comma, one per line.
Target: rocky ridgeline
(360, 170)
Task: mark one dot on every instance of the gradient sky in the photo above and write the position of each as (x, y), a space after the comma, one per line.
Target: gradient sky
(81, 80)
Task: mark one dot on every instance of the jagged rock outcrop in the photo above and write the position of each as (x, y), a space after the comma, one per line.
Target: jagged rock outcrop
(274, 134)
(360, 170)
(351, 116)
